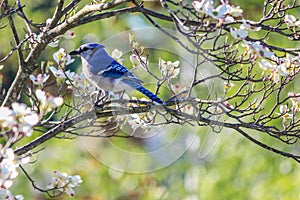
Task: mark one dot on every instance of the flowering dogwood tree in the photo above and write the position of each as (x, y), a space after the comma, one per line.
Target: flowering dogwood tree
(46, 100)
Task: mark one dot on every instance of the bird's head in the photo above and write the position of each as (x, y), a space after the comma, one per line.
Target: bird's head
(87, 49)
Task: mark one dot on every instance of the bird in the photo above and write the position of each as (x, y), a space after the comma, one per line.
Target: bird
(106, 73)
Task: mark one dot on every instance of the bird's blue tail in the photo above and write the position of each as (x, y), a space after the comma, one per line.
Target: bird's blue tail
(149, 94)
(144, 91)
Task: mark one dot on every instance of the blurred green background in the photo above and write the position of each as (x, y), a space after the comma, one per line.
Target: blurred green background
(217, 165)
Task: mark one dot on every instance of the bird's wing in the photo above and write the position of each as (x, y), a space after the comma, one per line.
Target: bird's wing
(116, 70)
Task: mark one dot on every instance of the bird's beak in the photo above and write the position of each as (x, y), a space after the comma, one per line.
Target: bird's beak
(74, 53)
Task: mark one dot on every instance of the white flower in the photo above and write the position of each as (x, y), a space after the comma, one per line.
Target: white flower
(282, 65)
(295, 98)
(57, 73)
(55, 101)
(35, 37)
(136, 60)
(6, 194)
(19, 197)
(228, 105)
(25, 118)
(258, 49)
(116, 54)
(77, 80)
(75, 180)
(20, 119)
(54, 43)
(229, 19)
(238, 33)
(169, 69)
(281, 70)
(283, 109)
(204, 6)
(136, 122)
(249, 27)
(48, 102)
(222, 11)
(8, 168)
(61, 57)
(48, 21)
(177, 88)
(291, 21)
(73, 78)
(235, 11)
(4, 113)
(69, 35)
(40, 79)
(264, 64)
(64, 183)
(188, 109)
(70, 75)
(277, 70)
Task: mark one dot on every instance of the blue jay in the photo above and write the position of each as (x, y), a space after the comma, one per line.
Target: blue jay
(106, 73)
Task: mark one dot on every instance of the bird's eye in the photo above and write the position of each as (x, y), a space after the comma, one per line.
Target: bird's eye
(84, 49)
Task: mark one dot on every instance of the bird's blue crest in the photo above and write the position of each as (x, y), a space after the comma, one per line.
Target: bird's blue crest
(94, 45)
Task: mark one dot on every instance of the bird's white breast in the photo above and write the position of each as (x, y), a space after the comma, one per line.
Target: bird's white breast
(107, 84)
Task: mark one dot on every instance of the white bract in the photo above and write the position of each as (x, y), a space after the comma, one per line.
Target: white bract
(235, 11)
(7, 195)
(221, 11)
(61, 57)
(136, 62)
(8, 168)
(77, 80)
(258, 49)
(134, 59)
(40, 79)
(188, 109)
(72, 77)
(47, 101)
(177, 88)
(53, 44)
(69, 35)
(204, 6)
(283, 109)
(291, 21)
(19, 119)
(136, 122)
(238, 33)
(169, 69)
(117, 55)
(58, 73)
(277, 70)
(64, 183)
(224, 12)
(247, 26)
(295, 98)
(5, 113)
(242, 32)
(264, 64)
